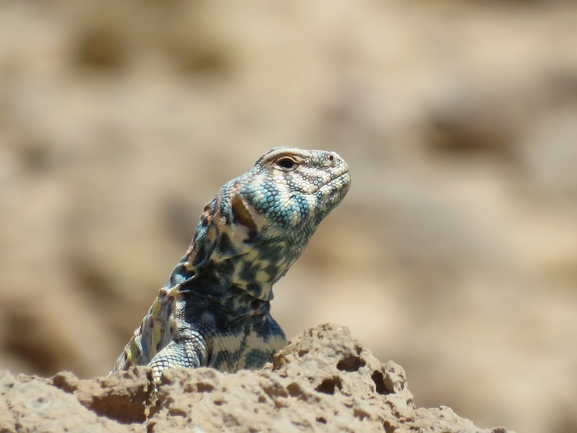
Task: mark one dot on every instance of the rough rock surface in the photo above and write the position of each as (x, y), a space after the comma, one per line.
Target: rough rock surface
(323, 380)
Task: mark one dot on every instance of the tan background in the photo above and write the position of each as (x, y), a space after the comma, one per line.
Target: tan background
(454, 254)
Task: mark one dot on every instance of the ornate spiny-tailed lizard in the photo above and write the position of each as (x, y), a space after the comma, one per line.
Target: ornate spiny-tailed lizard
(214, 309)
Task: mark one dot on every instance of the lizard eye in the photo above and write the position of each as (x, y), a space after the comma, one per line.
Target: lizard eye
(286, 162)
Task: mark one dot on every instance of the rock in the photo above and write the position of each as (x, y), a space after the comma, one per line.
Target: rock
(324, 380)
(122, 397)
(34, 405)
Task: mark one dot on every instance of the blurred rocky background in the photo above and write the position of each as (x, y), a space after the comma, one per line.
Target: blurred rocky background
(454, 254)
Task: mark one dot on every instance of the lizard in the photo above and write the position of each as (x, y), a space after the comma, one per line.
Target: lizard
(214, 310)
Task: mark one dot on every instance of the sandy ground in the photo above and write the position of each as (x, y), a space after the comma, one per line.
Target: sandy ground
(454, 254)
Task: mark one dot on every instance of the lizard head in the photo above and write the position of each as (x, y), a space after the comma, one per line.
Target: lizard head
(288, 192)
(259, 223)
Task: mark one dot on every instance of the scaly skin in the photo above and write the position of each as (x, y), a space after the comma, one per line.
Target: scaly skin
(214, 309)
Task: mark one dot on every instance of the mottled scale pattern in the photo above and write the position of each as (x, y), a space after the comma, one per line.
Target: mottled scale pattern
(215, 307)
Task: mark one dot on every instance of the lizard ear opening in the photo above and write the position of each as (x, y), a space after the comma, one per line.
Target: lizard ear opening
(242, 214)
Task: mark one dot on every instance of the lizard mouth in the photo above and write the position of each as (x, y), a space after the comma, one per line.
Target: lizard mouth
(334, 191)
(338, 186)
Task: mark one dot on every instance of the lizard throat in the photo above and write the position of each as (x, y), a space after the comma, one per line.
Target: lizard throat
(235, 298)
(240, 284)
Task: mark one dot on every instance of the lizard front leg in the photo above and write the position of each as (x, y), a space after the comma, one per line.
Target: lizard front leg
(188, 350)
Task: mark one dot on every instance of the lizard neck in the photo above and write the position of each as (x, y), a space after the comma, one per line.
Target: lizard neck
(236, 256)
(221, 284)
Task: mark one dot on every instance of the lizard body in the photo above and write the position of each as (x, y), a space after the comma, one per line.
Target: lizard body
(215, 307)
